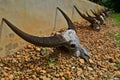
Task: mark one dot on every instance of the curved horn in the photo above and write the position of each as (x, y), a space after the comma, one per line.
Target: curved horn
(69, 22)
(82, 15)
(89, 19)
(38, 41)
(88, 14)
(93, 12)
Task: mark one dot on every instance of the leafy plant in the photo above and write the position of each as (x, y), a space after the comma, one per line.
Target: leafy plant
(17, 73)
(118, 66)
(51, 64)
(117, 36)
(67, 79)
(116, 17)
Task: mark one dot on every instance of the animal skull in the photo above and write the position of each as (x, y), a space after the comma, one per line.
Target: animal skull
(90, 19)
(100, 17)
(74, 44)
(68, 38)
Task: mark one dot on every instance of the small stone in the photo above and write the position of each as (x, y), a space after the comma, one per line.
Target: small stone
(99, 47)
(43, 71)
(34, 76)
(38, 69)
(79, 71)
(117, 73)
(53, 79)
(61, 66)
(31, 66)
(4, 73)
(48, 75)
(2, 79)
(11, 76)
(38, 49)
(91, 78)
(7, 68)
(61, 74)
(56, 75)
(43, 51)
(91, 61)
(73, 68)
(81, 61)
(68, 74)
(89, 68)
(62, 78)
(100, 73)
(44, 78)
(1, 64)
(29, 46)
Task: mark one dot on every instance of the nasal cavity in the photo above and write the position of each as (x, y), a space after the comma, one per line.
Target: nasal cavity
(72, 45)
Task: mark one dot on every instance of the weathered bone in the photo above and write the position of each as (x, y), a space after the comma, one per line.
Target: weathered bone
(99, 17)
(90, 19)
(74, 43)
(106, 12)
(69, 38)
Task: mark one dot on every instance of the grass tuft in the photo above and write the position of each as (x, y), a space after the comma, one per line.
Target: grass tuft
(116, 17)
(117, 36)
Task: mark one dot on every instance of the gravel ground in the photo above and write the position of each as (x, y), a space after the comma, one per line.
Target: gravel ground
(38, 63)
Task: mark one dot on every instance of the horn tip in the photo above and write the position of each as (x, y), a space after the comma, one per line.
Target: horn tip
(3, 19)
(57, 7)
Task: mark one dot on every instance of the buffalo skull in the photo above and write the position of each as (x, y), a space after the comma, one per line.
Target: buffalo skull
(99, 16)
(94, 22)
(68, 38)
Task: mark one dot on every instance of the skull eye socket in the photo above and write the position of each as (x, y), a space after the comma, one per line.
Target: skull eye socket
(72, 46)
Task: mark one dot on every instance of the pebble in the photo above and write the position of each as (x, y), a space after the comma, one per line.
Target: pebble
(34, 76)
(91, 61)
(73, 68)
(117, 73)
(61, 74)
(56, 75)
(29, 46)
(38, 69)
(11, 77)
(2, 79)
(100, 73)
(48, 75)
(81, 61)
(62, 78)
(68, 74)
(38, 49)
(7, 68)
(79, 71)
(89, 68)
(44, 78)
(54, 79)
(43, 71)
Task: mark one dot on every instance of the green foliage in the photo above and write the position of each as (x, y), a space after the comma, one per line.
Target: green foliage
(118, 66)
(17, 73)
(67, 78)
(118, 38)
(51, 64)
(116, 17)
(111, 4)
